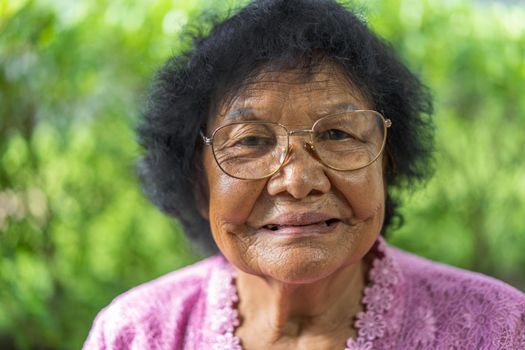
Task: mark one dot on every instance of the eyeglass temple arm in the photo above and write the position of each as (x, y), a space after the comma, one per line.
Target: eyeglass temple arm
(206, 140)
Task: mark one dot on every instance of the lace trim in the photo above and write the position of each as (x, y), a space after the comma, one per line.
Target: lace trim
(377, 299)
(222, 296)
(370, 324)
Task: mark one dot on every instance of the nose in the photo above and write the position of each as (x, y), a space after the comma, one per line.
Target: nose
(301, 175)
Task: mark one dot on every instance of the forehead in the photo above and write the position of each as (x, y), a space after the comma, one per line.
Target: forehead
(312, 92)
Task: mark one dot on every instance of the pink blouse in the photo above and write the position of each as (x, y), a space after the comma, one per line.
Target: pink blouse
(409, 303)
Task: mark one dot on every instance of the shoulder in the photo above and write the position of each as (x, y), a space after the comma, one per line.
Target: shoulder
(443, 278)
(462, 306)
(154, 314)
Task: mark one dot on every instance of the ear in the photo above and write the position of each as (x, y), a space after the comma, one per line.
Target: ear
(202, 204)
(201, 194)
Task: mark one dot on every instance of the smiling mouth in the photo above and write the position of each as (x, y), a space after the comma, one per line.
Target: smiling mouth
(322, 224)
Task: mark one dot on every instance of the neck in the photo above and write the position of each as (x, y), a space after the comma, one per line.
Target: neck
(282, 310)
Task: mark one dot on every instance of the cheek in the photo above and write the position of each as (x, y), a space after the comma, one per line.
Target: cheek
(363, 190)
(231, 200)
(231, 204)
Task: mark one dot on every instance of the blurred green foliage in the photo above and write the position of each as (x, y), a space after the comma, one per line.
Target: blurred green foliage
(75, 230)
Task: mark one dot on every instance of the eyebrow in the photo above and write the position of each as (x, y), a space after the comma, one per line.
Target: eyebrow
(240, 114)
(340, 107)
(244, 113)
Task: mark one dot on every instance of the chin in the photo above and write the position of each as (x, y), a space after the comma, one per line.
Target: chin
(304, 265)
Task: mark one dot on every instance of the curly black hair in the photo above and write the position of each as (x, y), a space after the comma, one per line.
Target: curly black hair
(287, 34)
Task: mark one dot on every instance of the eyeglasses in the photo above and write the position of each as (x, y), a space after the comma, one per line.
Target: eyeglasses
(255, 150)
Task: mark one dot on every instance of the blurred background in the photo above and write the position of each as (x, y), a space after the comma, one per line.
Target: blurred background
(75, 229)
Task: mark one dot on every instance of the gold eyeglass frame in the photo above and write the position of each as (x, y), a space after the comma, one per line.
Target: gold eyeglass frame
(208, 141)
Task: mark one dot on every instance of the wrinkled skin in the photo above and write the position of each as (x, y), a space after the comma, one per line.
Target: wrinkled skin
(299, 275)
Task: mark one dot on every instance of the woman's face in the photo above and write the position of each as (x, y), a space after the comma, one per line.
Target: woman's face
(303, 195)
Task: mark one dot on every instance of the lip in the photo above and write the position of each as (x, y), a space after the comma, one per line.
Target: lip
(301, 223)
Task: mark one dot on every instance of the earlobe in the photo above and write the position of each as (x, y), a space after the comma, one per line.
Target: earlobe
(204, 213)
(200, 193)
(203, 206)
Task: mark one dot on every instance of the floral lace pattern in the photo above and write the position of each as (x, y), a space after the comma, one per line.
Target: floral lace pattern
(370, 324)
(409, 303)
(222, 298)
(377, 300)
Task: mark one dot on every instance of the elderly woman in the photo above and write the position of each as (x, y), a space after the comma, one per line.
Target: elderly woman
(278, 139)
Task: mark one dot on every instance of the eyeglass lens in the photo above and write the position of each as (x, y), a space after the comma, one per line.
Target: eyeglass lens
(253, 150)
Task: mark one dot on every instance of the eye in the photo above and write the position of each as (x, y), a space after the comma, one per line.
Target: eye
(335, 135)
(254, 141)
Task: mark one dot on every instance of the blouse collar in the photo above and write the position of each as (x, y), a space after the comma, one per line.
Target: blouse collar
(378, 322)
